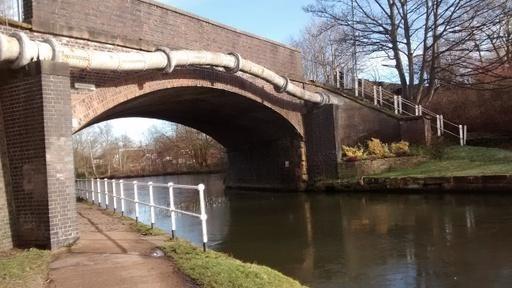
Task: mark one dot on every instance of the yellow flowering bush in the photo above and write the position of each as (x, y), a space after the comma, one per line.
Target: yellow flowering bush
(354, 153)
(379, 149)
(375, 149)
(400, 148)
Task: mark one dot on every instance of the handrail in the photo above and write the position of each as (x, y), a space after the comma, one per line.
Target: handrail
(91, 189)
(382, 98)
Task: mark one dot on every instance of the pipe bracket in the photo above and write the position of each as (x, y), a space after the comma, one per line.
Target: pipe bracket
(284, 87)
(56, 48)
(171, 62)
(238, 64)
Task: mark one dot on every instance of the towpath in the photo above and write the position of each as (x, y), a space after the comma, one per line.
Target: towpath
(110, 254)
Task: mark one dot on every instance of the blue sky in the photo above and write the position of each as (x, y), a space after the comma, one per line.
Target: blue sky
(273, 19)
(277, 20)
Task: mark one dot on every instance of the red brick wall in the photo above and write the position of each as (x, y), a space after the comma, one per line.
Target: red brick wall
(36, 114)
(146, 24)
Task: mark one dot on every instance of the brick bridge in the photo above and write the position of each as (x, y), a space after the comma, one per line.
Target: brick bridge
(273, 139)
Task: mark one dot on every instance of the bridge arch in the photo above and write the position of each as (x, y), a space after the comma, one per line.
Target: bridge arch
(261, 130)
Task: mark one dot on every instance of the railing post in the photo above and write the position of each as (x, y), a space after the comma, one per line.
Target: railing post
(380, 95)
(172, 207)
(152, 203)
(92, 190)
(99, 191)
(86, 189)
(121, 186)
(362, 88)
(345, 78)
(375, 95)
(356, 86)
(337, 75)
(416, 110)
(461, 135)
(442, 123)
(20, 11)
(136, 199)
(106, 193)
(465, 134)
(438, 118)
(202, 203)
(114, 195)
(420, 110)
(400, 105)
(395, 103)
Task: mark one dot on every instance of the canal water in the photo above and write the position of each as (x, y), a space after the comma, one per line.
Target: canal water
(352, 240)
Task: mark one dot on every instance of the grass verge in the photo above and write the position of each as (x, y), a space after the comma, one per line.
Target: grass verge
(24, 268)
(139, 227)
(461, 161)
(146, 230)
(212, 269)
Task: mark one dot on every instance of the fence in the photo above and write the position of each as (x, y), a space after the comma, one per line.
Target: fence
(400, 106)
(97, 191)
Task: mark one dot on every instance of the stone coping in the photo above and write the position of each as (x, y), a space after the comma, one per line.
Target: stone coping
(478, 183)
(446, 183)
(366, 167)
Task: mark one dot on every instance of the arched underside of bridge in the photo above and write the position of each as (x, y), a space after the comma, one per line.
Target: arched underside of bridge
(263, 134)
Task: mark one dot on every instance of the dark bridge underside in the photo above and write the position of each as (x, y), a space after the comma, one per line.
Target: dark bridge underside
(263, 147)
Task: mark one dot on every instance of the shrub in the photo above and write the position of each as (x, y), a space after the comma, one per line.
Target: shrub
(379, 149)
(400, 148)
(354, 153)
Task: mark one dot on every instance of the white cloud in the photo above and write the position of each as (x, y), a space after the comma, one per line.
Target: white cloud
(135, 128)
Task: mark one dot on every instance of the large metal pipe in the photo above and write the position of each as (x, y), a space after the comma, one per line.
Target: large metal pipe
(18, 50)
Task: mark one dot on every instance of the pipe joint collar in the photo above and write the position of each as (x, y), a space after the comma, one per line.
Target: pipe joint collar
(284, 87)
(171, 62)
(56, 49)
(238, 64)
(324, 98)
(25, 56)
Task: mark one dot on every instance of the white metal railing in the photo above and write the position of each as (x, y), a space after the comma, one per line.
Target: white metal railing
(400, 106)
(12, 9)
(97, 190)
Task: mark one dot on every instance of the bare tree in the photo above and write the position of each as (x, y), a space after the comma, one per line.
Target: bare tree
(168, 148)
(80, 155)
(109, 144)
(431, 42)
(86, 145)
(124, 143)
(324, 50)
(183, 145)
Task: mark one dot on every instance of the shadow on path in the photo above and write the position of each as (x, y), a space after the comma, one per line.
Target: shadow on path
(121, 247)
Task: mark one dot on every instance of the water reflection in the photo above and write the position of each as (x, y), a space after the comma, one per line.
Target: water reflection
(358, 240)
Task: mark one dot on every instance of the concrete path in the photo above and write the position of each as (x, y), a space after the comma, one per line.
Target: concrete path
(110, 254)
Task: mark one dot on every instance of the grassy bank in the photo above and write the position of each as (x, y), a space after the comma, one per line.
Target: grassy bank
(216, 270)
(460, 161)
(24, 268)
